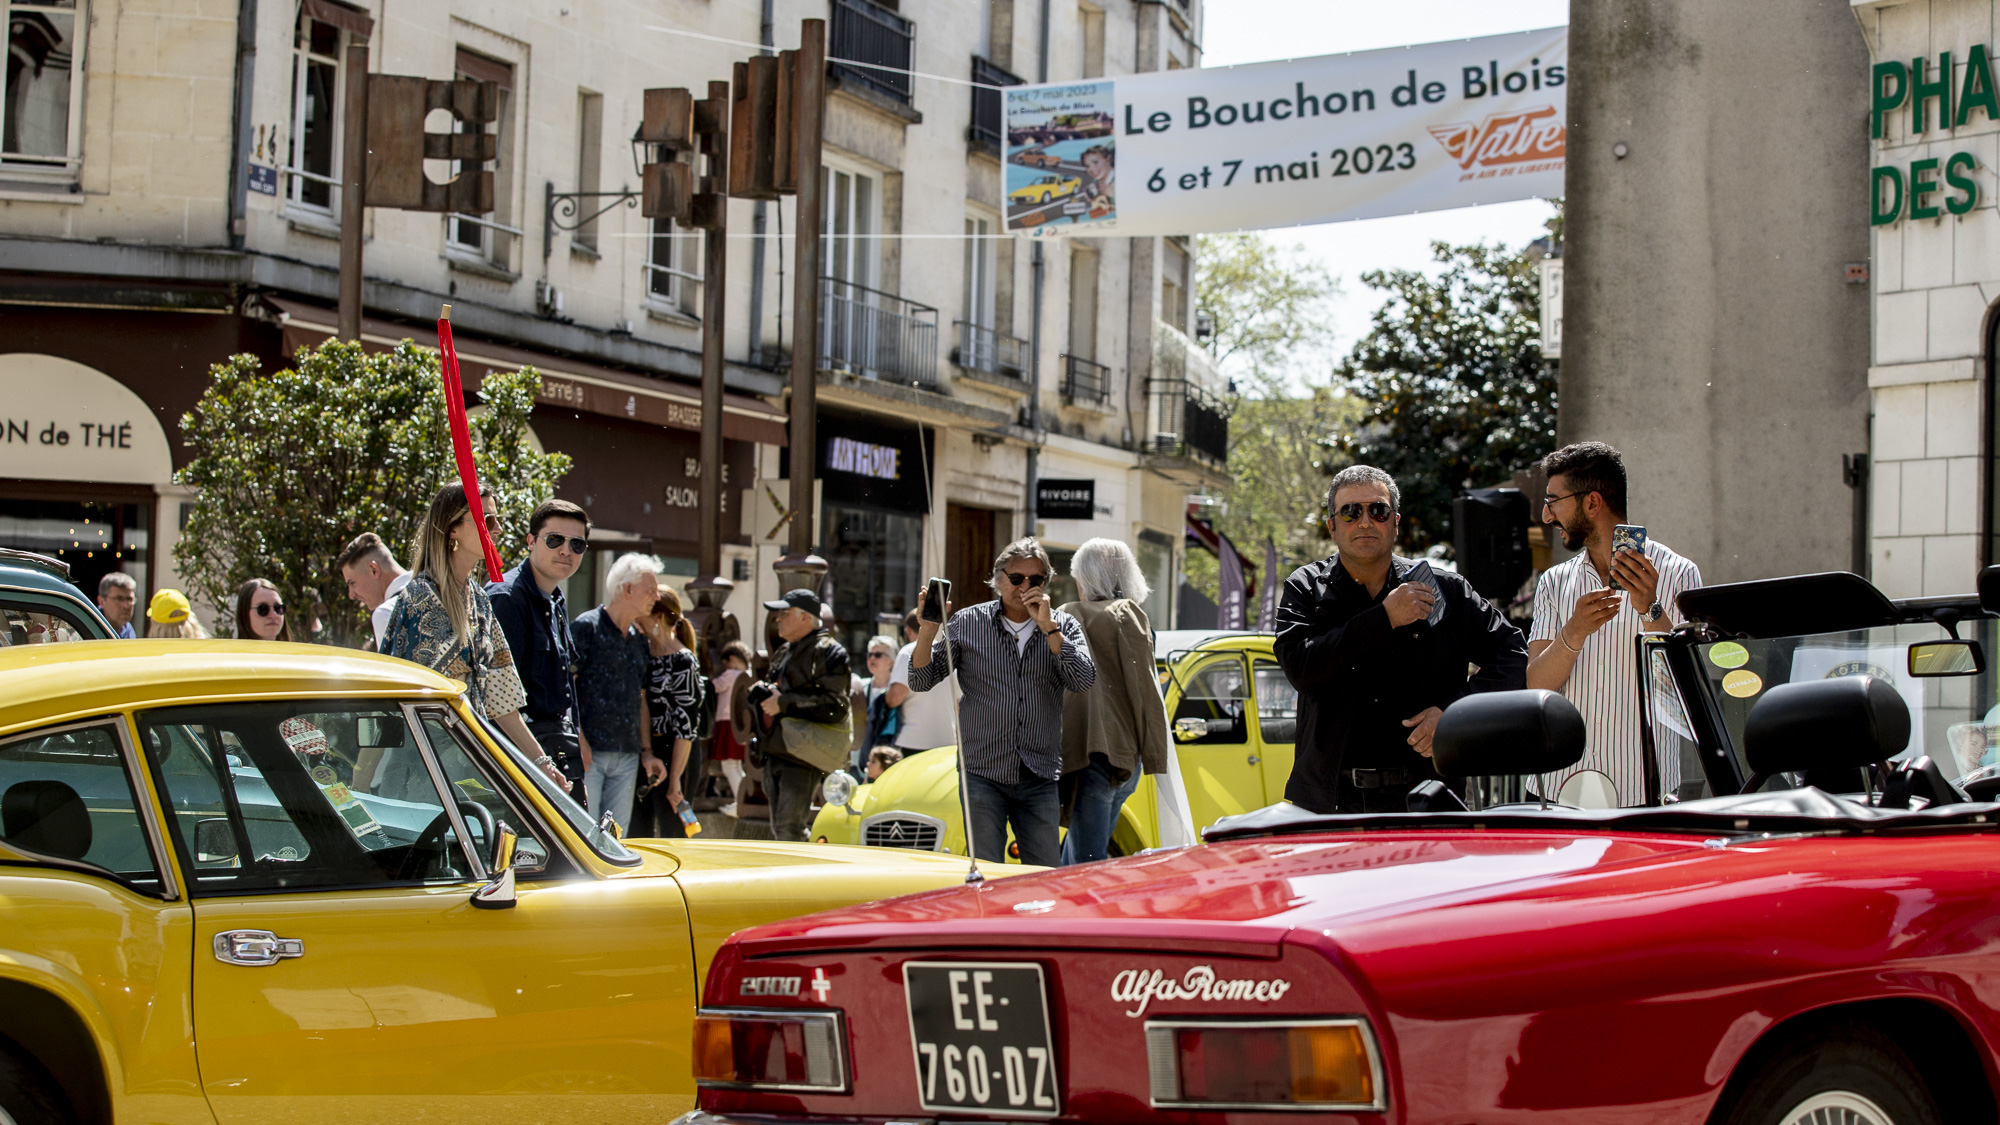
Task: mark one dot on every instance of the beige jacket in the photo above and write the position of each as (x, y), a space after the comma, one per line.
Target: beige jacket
(1123, 716)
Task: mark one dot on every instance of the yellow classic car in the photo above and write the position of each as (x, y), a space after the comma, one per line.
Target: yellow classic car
(1045, 188)
(1234, 717)
(244, 882)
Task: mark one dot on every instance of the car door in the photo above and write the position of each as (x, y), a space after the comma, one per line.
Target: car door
(1277, 725)
(1212, 730)
(340, 967)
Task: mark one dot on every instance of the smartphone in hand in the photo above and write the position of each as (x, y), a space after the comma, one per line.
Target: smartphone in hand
(1421, 572)
(936, 594)
(1627, 536)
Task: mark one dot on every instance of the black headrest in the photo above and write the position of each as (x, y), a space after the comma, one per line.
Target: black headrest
(1508, 732)
(1846, 721)
(46, 817)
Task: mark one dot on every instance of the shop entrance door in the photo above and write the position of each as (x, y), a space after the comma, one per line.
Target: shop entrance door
(971, 536)
(96, 529)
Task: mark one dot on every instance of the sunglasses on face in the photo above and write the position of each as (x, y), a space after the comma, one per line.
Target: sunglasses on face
(554, 542)
(878, 656)
(270, 609)
(1377, 511)
(1032, 580)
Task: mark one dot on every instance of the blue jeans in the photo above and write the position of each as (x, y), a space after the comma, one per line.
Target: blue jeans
(1030, 804)
(610, 781)
(1095, 811)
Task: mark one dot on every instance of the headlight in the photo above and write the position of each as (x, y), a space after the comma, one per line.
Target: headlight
(762, 1049)
(837, 788)
(1314, 1065)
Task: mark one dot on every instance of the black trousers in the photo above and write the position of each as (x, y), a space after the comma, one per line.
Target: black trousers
(559, 742)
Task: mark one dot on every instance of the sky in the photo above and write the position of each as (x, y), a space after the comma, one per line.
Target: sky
(1241, 31)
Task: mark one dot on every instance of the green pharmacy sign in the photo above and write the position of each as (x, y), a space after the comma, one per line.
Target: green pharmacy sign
(1927, 188)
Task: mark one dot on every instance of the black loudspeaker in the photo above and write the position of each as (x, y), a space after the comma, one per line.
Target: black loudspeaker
(1490, 534)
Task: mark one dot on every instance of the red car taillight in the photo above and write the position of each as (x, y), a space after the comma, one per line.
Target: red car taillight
(769, 1049)
(1274, 1065)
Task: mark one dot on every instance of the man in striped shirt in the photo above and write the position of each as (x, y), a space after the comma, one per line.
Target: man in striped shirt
(1015, 656)
(1589, 612)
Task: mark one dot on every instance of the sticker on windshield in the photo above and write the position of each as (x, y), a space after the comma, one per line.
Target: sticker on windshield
(1860, 668)
(1728, 654)
(1742, 683)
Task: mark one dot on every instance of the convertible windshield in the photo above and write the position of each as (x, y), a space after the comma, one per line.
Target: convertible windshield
(1953, 719)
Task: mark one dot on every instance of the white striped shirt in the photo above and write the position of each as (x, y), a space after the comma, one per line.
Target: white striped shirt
(1604, 683)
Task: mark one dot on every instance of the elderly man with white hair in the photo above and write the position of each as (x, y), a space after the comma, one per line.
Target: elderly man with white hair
(611, 664)
(1119, 727)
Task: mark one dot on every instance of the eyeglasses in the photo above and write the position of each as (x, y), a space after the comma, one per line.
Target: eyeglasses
(878, 656)
(270, 609)
(554, 542)
(1032, 580)
(1378, 510)
(1552, 501)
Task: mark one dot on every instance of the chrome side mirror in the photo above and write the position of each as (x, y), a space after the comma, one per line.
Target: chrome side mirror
(609, 827)
(1946, 658)
(1187, 730)
(498, 893)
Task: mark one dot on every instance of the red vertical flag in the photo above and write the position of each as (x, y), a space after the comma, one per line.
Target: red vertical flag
(461, 441)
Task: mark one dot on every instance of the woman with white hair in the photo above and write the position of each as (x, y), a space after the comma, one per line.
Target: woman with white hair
(1119, 727)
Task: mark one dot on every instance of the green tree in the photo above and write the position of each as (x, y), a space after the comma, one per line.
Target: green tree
(1272, 317)
(1454, 392)
(292, 465)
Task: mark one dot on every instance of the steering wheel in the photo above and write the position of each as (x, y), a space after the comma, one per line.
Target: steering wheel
(429, 845)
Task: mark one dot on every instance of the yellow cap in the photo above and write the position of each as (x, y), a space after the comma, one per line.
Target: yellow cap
(169, 607)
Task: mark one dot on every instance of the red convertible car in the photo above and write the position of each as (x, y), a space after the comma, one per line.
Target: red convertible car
(1782, 954)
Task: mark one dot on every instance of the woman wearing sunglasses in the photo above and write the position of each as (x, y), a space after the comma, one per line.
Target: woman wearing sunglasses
(444, 621)
(260, 612)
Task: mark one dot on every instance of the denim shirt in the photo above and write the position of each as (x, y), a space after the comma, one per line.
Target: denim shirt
(537, 629)
(611, 670)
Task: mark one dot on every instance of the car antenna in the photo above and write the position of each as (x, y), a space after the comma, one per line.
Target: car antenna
(972, 872)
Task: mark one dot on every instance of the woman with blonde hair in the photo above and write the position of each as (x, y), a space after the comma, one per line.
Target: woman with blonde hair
(673, 701)
(443, 621)
(170, 617)
(1118, 727)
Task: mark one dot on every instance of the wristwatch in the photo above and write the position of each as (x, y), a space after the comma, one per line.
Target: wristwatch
(1653, 613)
(1051, 632)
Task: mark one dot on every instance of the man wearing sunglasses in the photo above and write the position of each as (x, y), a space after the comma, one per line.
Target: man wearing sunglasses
(528, 604)
(1375, 664)
(1015, 657)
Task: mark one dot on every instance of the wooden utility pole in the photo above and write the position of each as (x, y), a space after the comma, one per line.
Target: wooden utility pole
(712, 205)
(808, 119)
(353, 174)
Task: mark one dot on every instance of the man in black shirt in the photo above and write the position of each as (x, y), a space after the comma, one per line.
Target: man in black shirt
(528, 604)
(1372, 670)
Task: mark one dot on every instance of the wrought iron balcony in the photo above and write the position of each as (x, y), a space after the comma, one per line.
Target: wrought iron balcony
(1086, 383)
(988, 126)
(1188, 422)
(865, 32)
(877, 335)
(991, 352)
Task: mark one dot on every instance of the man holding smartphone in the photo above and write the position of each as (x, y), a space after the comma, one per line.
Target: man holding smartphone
(1590, 610)
(1377, 647)
(1014, 656)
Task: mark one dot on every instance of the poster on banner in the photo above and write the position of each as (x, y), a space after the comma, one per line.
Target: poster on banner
(1277, 144)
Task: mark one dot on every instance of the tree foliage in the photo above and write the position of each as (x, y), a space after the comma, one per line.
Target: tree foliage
(1272, 316)
(292, 465)
(1453, 388)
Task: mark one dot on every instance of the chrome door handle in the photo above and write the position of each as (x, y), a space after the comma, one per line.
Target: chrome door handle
(255, 947)
(1254, 759)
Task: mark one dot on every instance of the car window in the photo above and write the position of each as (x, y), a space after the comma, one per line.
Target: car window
(295, 795)
(67, 794)
(602, 842)
(475, 784)
(1277, 703)
(24, 623)
(1215, 703)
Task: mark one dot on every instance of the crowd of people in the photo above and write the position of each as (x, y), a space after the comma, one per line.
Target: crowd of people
(1056, 711)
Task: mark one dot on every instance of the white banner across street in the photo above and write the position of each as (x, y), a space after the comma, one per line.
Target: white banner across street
(1279, 144)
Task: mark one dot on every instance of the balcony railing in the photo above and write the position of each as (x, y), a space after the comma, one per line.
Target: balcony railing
(864, 32)
(1086, 383)
(877, 335)
(988, 126)
(1188, 422)
(991, 351)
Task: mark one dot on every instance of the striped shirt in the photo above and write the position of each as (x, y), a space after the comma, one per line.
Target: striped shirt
(1604, 683)
(1010, 716)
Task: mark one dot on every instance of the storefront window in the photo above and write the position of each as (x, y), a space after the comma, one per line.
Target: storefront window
(875, 559)
(1156, 561)
(93, 538)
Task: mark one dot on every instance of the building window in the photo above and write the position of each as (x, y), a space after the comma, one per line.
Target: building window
(316, 74)
(849, 227)
(1083, 302)
(489, 237)
(979, 271)
(589, 162)
(672, 256)
(41, 120)
(1090, 20)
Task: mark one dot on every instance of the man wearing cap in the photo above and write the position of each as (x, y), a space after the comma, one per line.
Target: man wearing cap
(808, 681)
